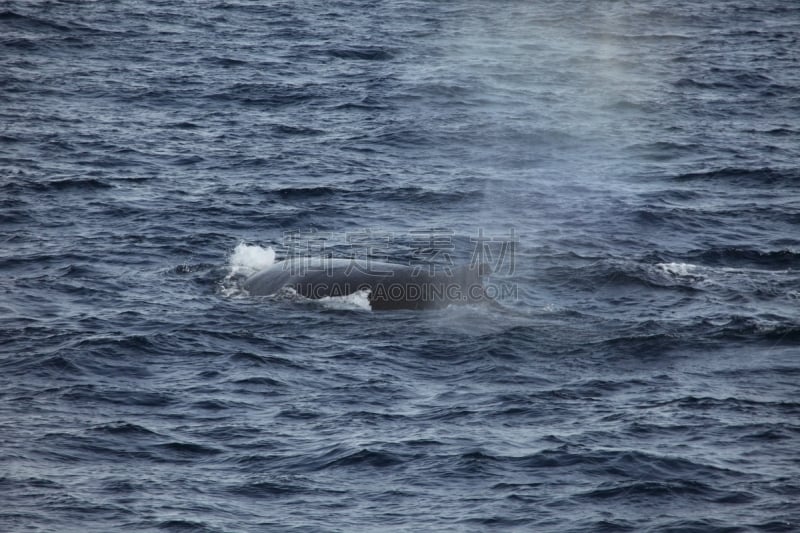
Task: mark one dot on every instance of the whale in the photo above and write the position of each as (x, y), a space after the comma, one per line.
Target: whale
(389, 286)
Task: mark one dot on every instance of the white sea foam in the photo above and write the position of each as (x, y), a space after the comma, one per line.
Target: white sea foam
(677, 269)
(682, 273)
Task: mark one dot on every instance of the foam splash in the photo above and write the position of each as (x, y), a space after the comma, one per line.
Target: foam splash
(356, 300)
(246, 259)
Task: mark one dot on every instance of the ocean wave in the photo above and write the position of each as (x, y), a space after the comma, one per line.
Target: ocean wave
(362, 53)
(610, 274)
(270, 94)
(755, 177)
(745, 257)
(61, 184)
(288, 487)
(667, 490)
(28, 22)
(123, 428)
(709, 403)
(666, 151)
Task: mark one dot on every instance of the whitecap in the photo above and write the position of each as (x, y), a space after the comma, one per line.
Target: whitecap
(677, 269)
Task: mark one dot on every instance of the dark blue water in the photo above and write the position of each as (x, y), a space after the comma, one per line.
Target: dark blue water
(643, 372)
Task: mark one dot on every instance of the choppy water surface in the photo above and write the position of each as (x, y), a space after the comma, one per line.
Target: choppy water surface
(641, 375)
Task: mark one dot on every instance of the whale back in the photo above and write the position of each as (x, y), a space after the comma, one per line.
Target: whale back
(390, 286)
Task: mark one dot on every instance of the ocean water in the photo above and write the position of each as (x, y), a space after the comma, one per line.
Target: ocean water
(630, 169)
